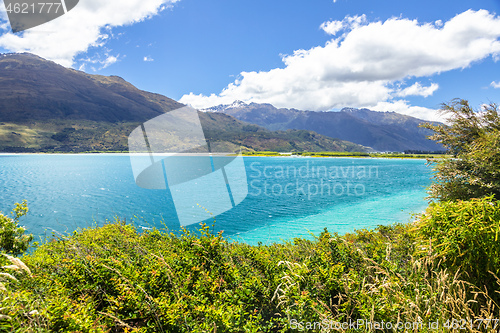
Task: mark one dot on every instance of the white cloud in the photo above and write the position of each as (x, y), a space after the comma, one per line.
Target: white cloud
(349, 22)
(418, 90)
(109, 61)
(364, 66)
(332, 27)
(99, 62)
(495, 85)
(148, 58)
(87, 25)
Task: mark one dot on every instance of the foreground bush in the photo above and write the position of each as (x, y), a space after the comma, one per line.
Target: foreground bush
(113, 279)
(466, 236)
(473, 139)
(12, 236)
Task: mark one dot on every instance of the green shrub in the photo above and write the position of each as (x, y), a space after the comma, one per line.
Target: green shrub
(113, 279)
(473, 138)
(466, 235)
(12, 237)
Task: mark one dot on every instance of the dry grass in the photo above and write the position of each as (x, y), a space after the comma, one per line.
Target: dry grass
(428, 296)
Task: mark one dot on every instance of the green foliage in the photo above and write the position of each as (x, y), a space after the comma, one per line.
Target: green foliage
(473, 138)
(64, 134)
(333, 154)
(346, 154)
(466, 235)
(12, 237)
(397, 155)
(113, 279)
(261, 153)
(251, 128)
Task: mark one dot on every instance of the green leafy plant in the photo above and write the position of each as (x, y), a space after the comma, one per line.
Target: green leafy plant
(114, 279)
(13, 239)
(466, 236)
(472, 137)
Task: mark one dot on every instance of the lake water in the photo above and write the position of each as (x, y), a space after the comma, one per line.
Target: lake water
(287, 197)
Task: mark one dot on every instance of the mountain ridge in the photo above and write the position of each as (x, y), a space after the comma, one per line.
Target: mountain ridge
(383, 131)
(42, 89)
(45, 107)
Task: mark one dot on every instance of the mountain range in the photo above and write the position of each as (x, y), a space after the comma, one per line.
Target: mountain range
(383, 131)
(45, 107)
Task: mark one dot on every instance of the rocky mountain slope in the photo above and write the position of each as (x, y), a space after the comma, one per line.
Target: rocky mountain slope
(47, 107)
(383, 131)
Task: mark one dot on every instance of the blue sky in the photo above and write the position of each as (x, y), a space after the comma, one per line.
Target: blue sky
(211, 52)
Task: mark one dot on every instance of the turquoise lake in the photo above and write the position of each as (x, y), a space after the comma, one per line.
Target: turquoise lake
(287, 197)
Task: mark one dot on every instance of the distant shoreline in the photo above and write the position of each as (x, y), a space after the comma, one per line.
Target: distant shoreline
(347, 155)
(23, 154)
(264, 154)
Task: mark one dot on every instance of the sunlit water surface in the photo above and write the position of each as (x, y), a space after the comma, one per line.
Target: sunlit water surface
(287, 197)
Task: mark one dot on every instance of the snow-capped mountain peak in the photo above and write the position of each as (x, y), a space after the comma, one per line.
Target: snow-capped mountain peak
(224, 107)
